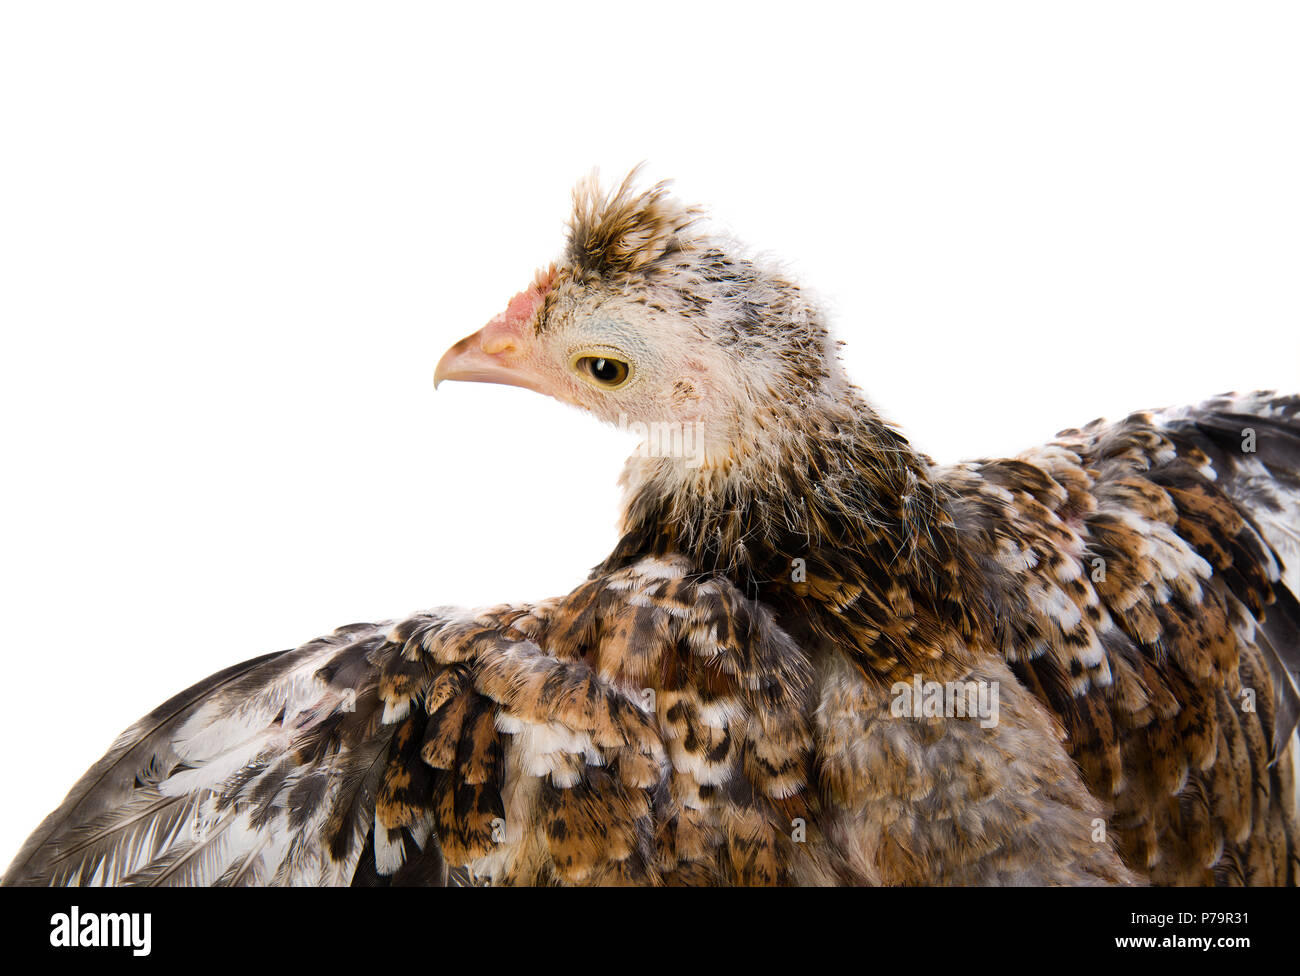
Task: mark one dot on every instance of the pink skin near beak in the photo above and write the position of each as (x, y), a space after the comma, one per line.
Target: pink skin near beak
(497, 353)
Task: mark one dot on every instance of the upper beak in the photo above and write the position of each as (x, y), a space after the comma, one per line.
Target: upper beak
(493, 354)
(499, 352)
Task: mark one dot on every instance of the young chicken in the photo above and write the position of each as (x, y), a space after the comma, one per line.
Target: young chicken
(814, 656)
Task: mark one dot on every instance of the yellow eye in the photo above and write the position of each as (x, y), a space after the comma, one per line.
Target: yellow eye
(606, 372)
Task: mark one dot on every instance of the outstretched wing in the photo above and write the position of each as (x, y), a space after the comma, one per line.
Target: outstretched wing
(649, 727)
(1145, 601)
(1252, 444)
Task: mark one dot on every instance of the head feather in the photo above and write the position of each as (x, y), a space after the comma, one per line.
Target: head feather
(622, 232)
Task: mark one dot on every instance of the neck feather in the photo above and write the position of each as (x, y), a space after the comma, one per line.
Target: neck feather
(827, 515)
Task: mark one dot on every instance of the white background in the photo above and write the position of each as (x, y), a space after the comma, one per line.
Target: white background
(235, 238)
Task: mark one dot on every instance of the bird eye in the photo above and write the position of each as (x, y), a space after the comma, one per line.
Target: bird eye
(609, 373)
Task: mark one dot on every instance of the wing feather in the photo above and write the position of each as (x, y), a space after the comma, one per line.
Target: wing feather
(1146, 594)
(520, 744)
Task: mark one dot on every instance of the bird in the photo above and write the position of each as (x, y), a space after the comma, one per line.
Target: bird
(814, 657)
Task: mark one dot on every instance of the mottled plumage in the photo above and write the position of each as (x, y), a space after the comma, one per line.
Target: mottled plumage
(742, 692)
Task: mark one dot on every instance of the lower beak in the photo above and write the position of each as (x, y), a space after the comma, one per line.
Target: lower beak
(485, 357)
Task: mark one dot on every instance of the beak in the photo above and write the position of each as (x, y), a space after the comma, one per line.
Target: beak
(484, 358)
(499, 352)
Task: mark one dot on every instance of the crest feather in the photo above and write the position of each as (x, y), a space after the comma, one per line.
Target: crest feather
(622, 232)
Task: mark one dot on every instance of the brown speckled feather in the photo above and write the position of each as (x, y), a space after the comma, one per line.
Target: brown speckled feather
(814, 656)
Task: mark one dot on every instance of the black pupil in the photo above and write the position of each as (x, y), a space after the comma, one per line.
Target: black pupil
(604, 370)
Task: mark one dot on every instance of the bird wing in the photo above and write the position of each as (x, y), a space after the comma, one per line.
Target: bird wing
(649, 727)
(1145, 579)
